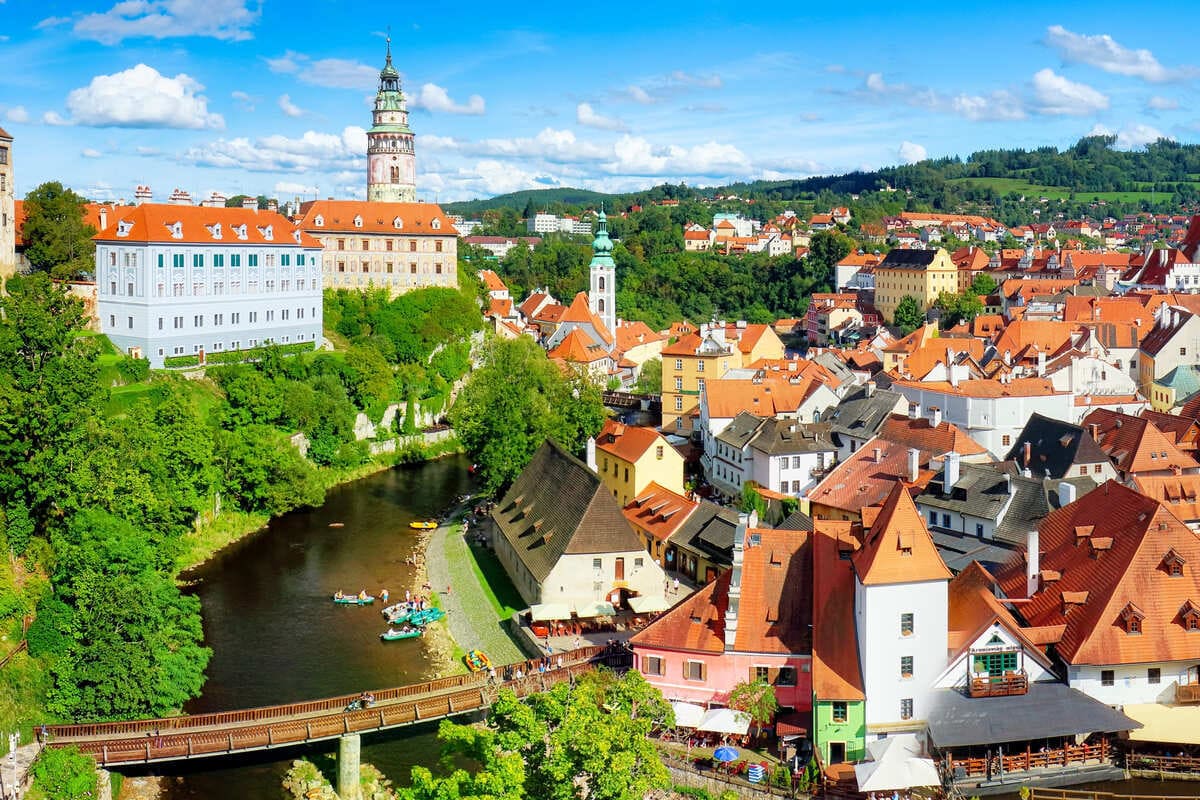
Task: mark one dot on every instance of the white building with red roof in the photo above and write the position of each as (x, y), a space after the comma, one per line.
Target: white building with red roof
(189, 281)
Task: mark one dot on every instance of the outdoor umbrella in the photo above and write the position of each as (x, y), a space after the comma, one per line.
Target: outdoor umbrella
(895, 764)
(725, 754)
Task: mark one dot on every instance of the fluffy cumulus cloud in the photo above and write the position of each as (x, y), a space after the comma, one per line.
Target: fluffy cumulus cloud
(1057, 95)
(139, 97)
(998, 105)
(229, 20)
(288, 107)
(634, 155)
(330, 73)
(434, 98)
(588, 117)
(312, 152)
(17, 114)
(89, 152)
(1102, 52)
(911, 153)
(1133, 136)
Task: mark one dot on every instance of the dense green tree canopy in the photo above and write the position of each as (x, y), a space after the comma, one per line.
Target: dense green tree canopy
(908, 316)
(958, 308)
(983, 284)
(57, 239)
(515, 400)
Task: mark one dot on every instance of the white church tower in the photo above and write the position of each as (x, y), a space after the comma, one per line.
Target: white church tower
(391, 159)
(602, 297)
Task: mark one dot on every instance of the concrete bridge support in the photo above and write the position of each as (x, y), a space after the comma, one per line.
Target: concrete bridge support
(349, 786)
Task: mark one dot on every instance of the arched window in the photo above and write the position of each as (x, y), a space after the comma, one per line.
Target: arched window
(395, 174)
(601, 306)
(602, 284)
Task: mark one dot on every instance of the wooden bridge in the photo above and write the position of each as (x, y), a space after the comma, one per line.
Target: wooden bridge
(152, 741)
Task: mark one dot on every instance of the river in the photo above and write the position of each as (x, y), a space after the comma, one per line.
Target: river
(277, 638)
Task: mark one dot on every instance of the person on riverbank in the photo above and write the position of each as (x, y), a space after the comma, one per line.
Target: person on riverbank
(384, 595)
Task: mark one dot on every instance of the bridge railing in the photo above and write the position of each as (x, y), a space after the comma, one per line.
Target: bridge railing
(225, 719)
(183, 744)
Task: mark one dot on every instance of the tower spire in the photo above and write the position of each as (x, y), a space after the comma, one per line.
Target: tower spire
(389, 45)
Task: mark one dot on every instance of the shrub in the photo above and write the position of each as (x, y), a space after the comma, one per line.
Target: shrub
(65, 774)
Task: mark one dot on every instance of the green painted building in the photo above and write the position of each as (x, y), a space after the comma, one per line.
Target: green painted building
(839, 730)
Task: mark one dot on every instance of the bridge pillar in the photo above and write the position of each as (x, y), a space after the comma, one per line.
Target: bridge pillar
(348, 785)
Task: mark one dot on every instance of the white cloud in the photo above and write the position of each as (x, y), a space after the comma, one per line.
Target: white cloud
(1158, 103)
(434, 98)
(1133, 136)
(587, 116)
(54, 118)
(997, 105)
(911, 153)
(331, 73)
(634, 155)
(702, 81)
(139, 97)
(1058, 95)
(293, 188)
(1103, 52)
(17, 114)
(288, 107)
(312, 152)
(89, 152)
(640, 95)
(228, 20)
(247, 101)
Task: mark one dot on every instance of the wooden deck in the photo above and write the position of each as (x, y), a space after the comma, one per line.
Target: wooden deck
(205, 735)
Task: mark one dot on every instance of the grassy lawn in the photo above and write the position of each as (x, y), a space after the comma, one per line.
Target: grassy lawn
(503, 596)
(1006, 185)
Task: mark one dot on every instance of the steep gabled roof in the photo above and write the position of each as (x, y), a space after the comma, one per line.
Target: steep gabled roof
(863, 412)
(358, 216)
(659, 511)
(1055, 447)
(627, 442)
(159, 222)
(578, 348)
(558, 506)
(581, 313)
(836, 674)
(1135, 445)
(898, 547)
(972, 608)
(1107, 550)
(864, 480)
(931, 440)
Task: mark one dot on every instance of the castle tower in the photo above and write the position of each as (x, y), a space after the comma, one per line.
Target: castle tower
(602, 297)
(8, 222)
(391, 160)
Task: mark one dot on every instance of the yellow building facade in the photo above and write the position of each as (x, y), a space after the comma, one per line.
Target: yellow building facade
(923, 274)
(630, 458)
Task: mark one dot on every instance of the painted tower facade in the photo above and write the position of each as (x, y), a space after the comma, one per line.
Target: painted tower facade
(391, 159)
(8, 221)
(602, 296)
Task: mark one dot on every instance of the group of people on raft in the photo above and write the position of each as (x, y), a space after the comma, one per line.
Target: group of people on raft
(362, 595)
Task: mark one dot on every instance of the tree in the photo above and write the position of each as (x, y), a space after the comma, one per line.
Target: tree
(908, 315)
(957, 308)
(756, 698)
(65, 774)
(650, 377)
(58, 241)
(983, 284)
(514, 401)
(265, 473)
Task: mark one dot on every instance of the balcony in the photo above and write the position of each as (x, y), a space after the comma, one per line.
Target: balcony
(1006, 685)
(1187, 693)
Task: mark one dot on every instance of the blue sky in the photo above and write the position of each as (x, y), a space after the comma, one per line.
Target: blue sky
(262, 96)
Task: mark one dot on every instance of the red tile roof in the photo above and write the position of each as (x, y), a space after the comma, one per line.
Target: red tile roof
(972, 608)
(578, 348)
(931, 440)
(627, 442)
(1134, 444)
(835, 667)
(727, 397)
(659, 511)
(630, 334)
(862, 481)
(153, 222)
(581, 313)
(492, 281)
(898, 547)
(774, 612)
(1018, 387)
(1096, 586)
(339, 216)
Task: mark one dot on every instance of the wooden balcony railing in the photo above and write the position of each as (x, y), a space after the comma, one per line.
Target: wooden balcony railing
(1010, 683)
(1187, 693)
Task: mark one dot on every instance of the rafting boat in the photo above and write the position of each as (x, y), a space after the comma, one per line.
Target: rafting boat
(353, 600)
(425, 617)
(392, 636)
(337, 524)
(425, 525)
(477, 660)
(399, 617)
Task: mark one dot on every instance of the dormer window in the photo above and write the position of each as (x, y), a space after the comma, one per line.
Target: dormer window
(358, 221)
(240, 230)
(1173, 563)
(176, 230)
(436, 224)
(267, 233)
(398, 223)
(1131, 619)
(215, 230)
(124, 227)
(319, 221)
(1189, 615)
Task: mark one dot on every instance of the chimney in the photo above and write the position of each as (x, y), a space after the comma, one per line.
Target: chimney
(870, 388)
(1026, 453)
(1041, 364)
(1007, 484)
(1066, 493)
(250, 202)
(876, 454)
(1032, 562)
(103, 218)
(735, 578)
(1094, 429)
(591, 453)
(914, 464)
(935, 416)
(142, 194)
(914, 410)
(950, 471)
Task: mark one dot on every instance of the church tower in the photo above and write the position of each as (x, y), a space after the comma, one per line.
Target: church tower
(391, 160)
(603, 294)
